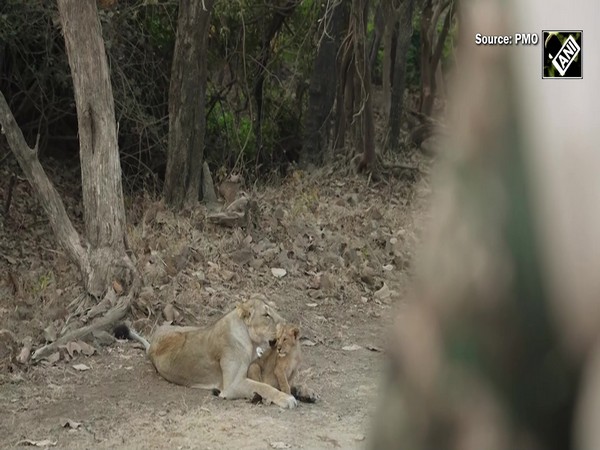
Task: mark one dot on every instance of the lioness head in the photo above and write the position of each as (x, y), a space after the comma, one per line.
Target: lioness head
(260, 318)
(287, 338)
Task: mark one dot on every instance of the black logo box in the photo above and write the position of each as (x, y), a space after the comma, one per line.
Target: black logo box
(562, 54)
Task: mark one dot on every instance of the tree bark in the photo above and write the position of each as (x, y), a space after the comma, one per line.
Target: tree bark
(321, 92)
(354, 92)
(390, 19)
(281, 13)
(405, 15)
(378, 32)
(426, 45)
(187, 93)
(344, 91)
(432, 45)
(363, 103)
(104, 210)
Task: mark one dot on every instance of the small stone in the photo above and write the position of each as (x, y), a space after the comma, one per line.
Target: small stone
(326, 283)
(278, 272)
(242, 256)
(384, 293)
(367, 275)
(351, 348)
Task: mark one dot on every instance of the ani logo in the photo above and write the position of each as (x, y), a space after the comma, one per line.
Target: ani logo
(562, 54)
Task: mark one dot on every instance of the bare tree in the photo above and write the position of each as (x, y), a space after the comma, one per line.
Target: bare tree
(379, 22)
(390, 13)
(104, 209)
(432, 45)
(321, 92)
(101, 256)
(280, 14)
(187, 93)
(354, 93)
(405, 15)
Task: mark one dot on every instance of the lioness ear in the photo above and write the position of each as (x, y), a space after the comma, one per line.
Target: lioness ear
(243, 309)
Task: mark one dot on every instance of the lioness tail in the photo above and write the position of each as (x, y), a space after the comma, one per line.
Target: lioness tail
(122, 331)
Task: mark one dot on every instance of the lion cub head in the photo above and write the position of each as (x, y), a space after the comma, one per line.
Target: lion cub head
(287, 338)
(260, 319)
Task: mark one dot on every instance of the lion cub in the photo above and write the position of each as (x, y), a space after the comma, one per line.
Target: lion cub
(278, 365)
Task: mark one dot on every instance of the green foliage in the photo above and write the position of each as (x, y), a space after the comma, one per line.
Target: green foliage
(161, 29)
(449, 45)
(42, 283)
(235, 45)
(140, 38)
(413, 60)
(231, 138)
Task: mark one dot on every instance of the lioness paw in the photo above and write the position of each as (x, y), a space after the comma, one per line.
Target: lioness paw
(287, 402)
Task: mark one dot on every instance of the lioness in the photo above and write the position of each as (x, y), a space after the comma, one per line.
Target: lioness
(277, 366)
(216, 357)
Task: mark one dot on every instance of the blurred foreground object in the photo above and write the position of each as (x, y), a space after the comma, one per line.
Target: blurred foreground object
(498, 347)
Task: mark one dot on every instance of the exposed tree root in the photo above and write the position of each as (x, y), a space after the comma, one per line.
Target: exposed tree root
(114, 315)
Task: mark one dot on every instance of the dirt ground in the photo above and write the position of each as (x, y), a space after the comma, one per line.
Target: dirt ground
(346, 244)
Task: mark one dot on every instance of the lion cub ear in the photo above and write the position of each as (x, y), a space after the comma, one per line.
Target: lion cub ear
(243, 309)
(279, 329)
(296, 332)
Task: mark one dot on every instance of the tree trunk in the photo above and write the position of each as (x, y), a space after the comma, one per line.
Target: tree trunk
(281, 13)
(187, 91)
(104, 210)
(354, 93)
(390, 20)
(363, 95)
(321, 92)
(378, 31)
(344, 91)
(432, 45)
(397, 100)
(426, 45)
